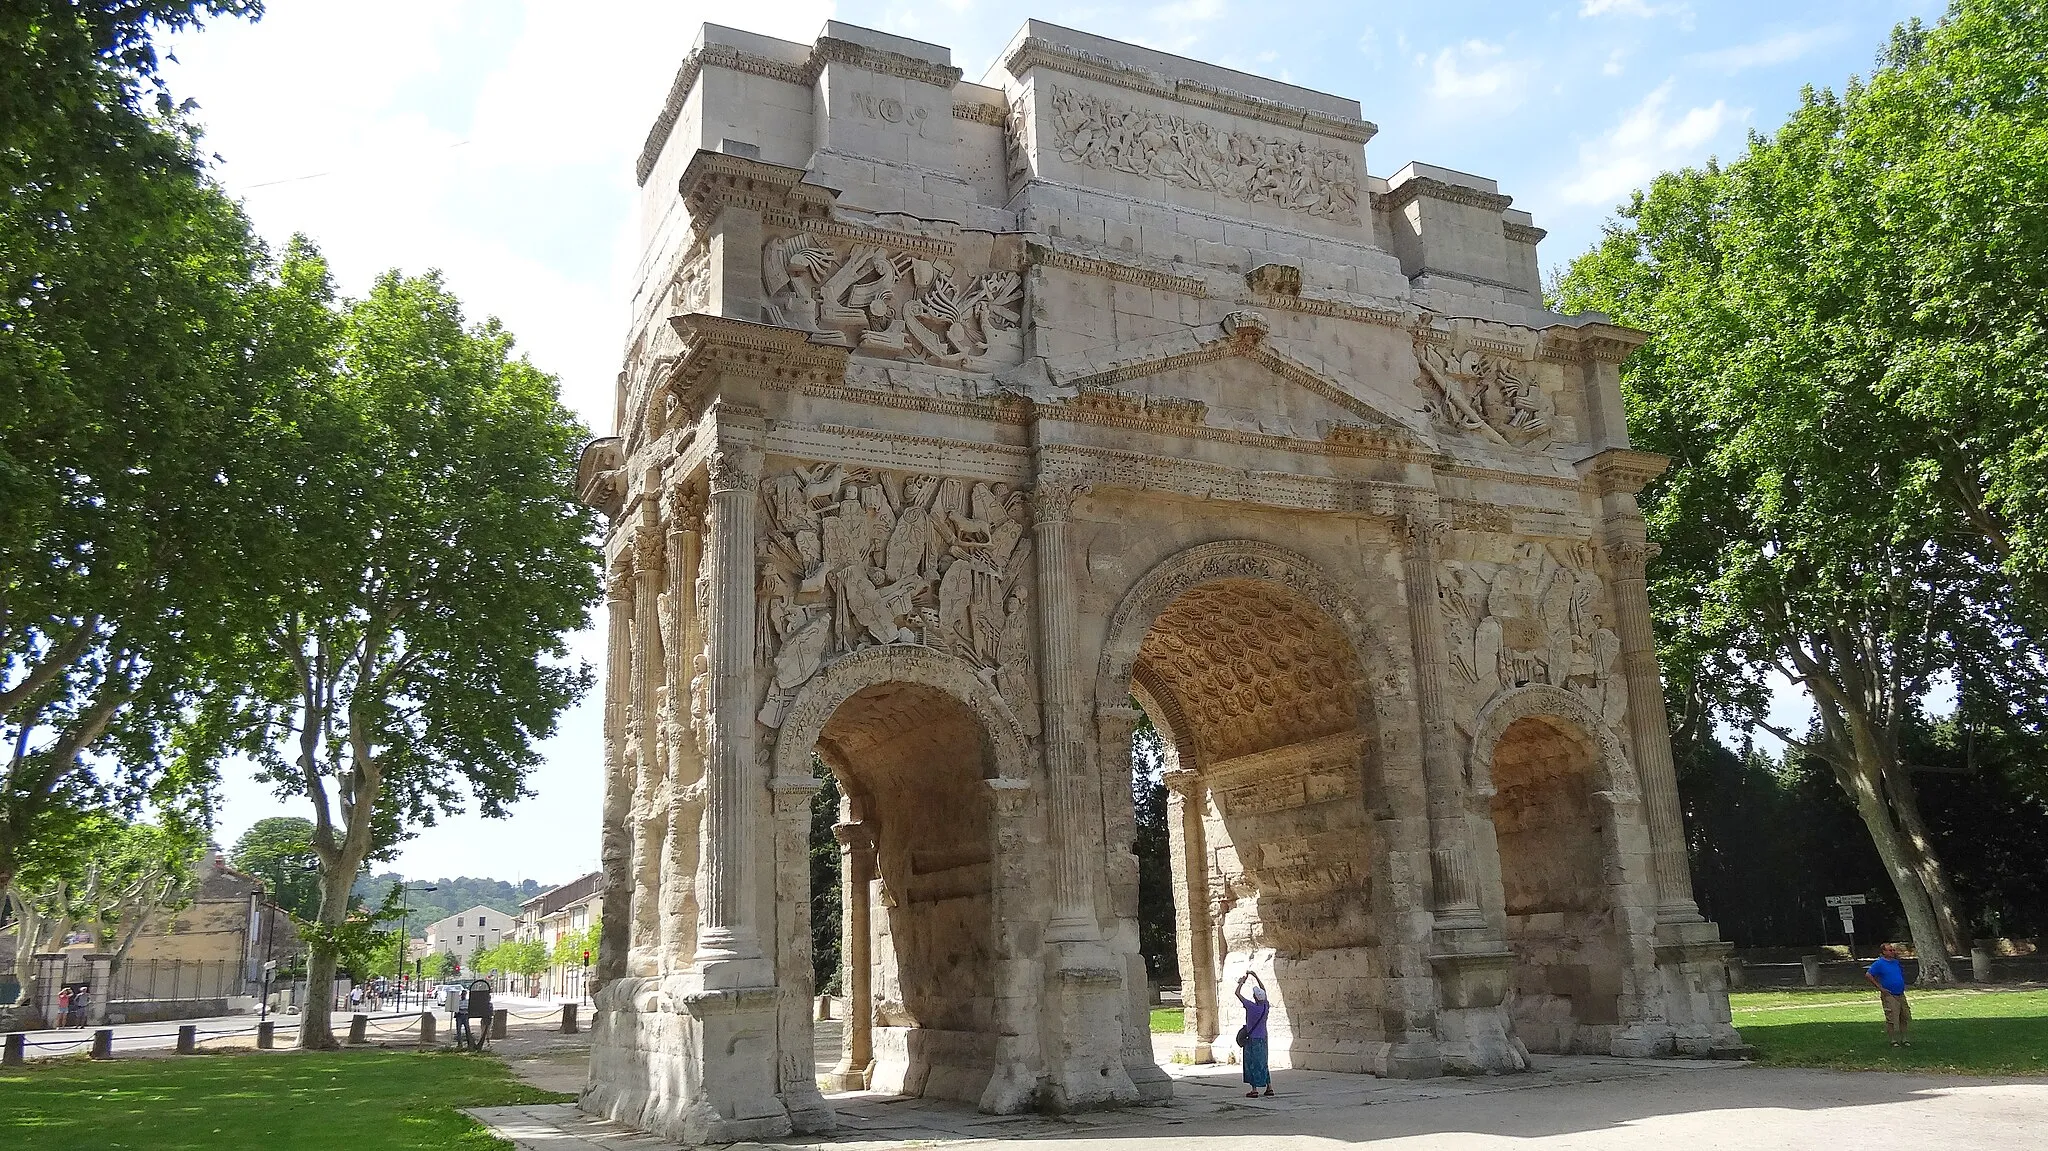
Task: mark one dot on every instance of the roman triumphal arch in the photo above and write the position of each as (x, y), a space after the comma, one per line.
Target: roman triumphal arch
(962, 424)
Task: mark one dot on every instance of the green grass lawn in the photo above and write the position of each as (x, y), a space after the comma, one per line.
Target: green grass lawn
(1167, 1020)
(361, 1101)
(1958, 1030)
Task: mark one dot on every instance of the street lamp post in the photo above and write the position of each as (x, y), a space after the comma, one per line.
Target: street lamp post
(405, 913)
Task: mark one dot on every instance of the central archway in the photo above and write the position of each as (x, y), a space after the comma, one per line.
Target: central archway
(1270, 691)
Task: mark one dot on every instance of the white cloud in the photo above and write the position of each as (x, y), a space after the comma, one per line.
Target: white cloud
(1185, 21)
(1613, 65)
(1648, 140)
(1475, 75)
(1781, 49)
(1615, 8)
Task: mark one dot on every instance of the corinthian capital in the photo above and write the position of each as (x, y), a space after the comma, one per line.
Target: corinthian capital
(619, 584)
(684, 503)
(1053, 498)
(734, 469)
(1423, 530)
(1631, 557)
(647, 551)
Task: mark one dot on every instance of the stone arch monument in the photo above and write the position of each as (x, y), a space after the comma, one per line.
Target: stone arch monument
(955, 418)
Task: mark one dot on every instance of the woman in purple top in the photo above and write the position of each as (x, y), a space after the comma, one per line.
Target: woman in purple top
(1253, 1034)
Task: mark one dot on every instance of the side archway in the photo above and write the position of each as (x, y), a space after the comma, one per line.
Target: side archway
(934, 767)
(1562, 710)
(1562, 801)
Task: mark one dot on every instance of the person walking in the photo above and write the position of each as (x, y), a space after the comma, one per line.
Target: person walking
(1252, 1036)
(1889, 978)
(462, 1037)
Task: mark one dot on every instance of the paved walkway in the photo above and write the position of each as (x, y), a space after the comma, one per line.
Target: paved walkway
(1567, 1102)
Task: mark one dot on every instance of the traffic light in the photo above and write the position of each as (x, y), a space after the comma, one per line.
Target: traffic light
(586, 957)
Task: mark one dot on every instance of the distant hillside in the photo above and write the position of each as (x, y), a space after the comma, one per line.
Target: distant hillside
(449, 896)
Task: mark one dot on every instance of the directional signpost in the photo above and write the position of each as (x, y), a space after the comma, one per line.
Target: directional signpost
(1846, 906)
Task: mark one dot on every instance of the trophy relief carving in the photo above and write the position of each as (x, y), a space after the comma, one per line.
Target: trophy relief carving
(852, 558)
(893, 304)
(1535, 617)
(1489, 396)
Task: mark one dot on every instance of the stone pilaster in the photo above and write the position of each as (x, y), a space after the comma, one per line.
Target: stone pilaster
(616, 849)
(729, 942)
(1188, 837)
(685, 509)
(795, 1036)
(1650, 730)
(856, 874)
(649, 673)
(1066, 767)
(1013, 1083)
(1450, 851)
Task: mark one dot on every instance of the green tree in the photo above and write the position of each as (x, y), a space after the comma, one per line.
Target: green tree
(438, 966)
(150, 370)
(104, 876)
(279, 851)
(1845, 507)
(422, 652)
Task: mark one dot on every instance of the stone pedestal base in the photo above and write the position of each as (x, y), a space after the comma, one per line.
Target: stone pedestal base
(648, 1065)
(1194, 1051)
(1473, 1034)
(1085, 1068)
(1692, 977)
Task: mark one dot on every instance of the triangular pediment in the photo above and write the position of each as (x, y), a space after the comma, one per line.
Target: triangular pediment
(1231, 376)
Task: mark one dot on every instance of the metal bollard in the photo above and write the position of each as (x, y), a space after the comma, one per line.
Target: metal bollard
(568, 1019)
(426, 1029)
(266, 1035)
(359, 1029)
(188, 1039)
(498, 1020)
(17, 1050)
(103, 1043)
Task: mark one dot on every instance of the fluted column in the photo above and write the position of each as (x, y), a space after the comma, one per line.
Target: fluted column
(728, 912)
(856, 873)
(685, 510)
(649, 672)
(1650, 729)
(1073, 887)
(616, 845)
(1450, 852)
(1189, 839)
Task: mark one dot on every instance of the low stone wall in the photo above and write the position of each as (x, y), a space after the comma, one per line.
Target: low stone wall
(162, 1010)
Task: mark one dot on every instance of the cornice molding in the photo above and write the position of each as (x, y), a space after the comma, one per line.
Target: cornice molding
(1622, 471)
(709, 56)
(1420, 186)
(781, 194)
(1036, 52)
(1522, 233)
(981, 114)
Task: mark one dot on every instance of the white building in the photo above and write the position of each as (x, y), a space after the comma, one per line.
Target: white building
(551, 916)
(462, 933)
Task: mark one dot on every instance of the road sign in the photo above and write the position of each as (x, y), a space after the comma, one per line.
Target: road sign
(1846, 901)
(1848, 919)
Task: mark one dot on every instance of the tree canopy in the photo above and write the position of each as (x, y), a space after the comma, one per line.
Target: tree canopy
(153, 361)
(279, 851)
(419, 655)
(1854, 501)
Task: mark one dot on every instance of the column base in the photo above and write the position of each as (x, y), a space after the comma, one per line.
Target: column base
(1474, 1035)
(847, 1078)
(695, 1066)
(1085, 1062)
(1195, 1051)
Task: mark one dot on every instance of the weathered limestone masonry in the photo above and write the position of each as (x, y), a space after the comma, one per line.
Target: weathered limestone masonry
(961, 421)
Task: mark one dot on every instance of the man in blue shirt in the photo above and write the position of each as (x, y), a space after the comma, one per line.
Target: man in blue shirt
(1890, 980)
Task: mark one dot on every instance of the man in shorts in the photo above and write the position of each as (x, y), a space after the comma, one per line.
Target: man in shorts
(1890, 980)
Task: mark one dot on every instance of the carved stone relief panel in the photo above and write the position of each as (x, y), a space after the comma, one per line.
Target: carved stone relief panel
(1520, 612)
(1486, 394)
(852, 558)
(1190, 153)
(892, 302)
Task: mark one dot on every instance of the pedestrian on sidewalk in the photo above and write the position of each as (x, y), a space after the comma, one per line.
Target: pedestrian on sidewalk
(81, 1005)
(462, 1038)
(63, 1019)
(1252, 1036)
(1889, 978)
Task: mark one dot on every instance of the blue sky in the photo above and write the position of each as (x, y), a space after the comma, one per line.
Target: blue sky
(495, 141)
